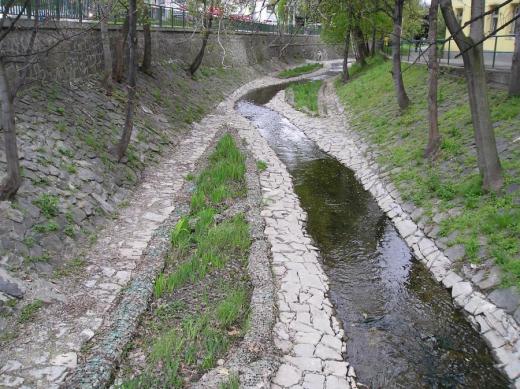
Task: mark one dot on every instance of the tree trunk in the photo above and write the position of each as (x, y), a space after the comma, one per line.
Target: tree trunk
(359, 40)
(119, 63)
(198, 59)
(107, 54)
(12, 181)
(434, 137)
(373, 48)
(487, 154)
(345, 76)
(121, 147)
(402, 97)
(146, 66)
(514, 83)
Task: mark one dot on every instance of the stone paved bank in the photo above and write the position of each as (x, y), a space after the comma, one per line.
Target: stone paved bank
(307, 333)
(331, 133)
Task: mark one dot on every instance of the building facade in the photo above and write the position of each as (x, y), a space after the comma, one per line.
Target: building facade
(502, 43)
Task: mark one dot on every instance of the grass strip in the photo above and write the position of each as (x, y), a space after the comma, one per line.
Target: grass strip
(299, 70)
(182, 340)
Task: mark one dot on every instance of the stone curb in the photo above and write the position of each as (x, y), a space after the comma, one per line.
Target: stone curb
(332, 134)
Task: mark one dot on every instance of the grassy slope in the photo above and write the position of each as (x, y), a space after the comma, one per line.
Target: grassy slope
(488, 226)
(306, 95)
(299, 70)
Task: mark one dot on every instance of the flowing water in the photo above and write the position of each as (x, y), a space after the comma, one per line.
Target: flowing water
(403, 330)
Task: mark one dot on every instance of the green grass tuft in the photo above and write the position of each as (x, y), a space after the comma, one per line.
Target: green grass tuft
(297, 71)
(306, 95)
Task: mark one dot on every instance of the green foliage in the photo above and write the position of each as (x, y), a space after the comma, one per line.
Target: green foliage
(202, 242)
(232, 383)
(212, 244)
(232, 308)
(198, 342)
(66, 152)
(44, 228)
(74, 266)
(306, 95)
(30, 310)
(261, 165)
(48, 204)
(297, 71)
(181, 235)
(486, 225)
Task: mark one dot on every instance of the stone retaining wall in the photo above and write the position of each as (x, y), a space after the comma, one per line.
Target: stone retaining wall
(80, 54)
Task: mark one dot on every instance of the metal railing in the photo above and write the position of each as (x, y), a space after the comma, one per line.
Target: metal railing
(498, 51)
(176, 17)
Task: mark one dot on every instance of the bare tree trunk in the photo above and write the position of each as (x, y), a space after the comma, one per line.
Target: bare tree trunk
(119, 63)
(514, 83)
(107, 54)
(488, 160)
(121, 147)
(345, 76)
(198, 59)
(146, 66)
(402, 97)
(434, 137)
(12, 181)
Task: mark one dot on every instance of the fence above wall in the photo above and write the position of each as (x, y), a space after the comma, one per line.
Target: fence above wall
(174, 17)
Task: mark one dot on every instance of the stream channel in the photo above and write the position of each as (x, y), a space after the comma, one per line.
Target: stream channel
(402, 328)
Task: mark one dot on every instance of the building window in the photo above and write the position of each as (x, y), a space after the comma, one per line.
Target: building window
(458, 15)
(494, 20)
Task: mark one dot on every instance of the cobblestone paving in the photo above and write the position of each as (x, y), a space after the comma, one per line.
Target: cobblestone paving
(44, 351)
(332, 134)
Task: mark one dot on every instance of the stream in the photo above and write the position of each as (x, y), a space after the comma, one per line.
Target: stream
(402, 328)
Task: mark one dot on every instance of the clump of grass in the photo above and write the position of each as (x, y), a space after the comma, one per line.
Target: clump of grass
(30, 310)
(48, 204)
(74, 266)
(232, 383)
(261, 165)
(211, 244)
(49, 226)
(306, 95)
(215, 244)
(299, 70)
